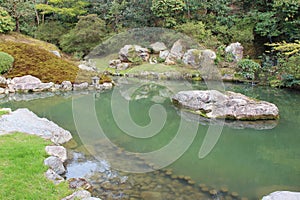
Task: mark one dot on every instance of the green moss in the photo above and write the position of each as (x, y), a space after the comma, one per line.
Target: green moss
(35, 61)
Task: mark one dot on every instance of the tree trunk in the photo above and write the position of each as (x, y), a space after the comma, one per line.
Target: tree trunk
(17, 24)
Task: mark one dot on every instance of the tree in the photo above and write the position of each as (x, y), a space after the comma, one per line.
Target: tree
(88, 32)
(6, 22)
(18, 10)
(168, 10)
(66, 9)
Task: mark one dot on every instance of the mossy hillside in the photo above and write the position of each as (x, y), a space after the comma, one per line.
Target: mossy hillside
(22, 170)
(36, 61)
(17, 37)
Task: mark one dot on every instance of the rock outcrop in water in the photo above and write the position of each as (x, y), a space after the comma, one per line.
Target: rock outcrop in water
(230, 105)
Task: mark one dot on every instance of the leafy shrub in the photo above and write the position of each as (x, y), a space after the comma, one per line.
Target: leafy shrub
(88, 33)
(248, 69)
(6, 62)
(6, 22)
(50, 32)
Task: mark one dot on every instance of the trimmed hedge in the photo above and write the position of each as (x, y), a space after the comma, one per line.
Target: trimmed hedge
(6, 62)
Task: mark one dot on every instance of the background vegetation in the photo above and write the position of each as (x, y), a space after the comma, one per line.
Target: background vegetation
(76, 27)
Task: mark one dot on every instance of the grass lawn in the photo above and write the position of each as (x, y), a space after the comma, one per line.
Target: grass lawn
(22, 169)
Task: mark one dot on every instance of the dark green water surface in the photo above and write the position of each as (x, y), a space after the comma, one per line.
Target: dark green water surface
(249, 161)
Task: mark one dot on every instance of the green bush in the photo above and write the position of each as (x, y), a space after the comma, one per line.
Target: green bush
(248, 69)
(6, 62)
(6, 22)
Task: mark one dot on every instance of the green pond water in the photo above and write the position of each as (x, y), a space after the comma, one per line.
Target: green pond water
(249, 161)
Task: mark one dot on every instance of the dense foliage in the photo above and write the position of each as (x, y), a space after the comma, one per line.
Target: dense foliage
(6, 22)
(77, 26)
(6, 62)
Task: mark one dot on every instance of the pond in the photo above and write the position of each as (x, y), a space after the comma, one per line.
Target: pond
(117, 129)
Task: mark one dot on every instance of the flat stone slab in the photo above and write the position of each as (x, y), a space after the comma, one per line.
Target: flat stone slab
(228, 105)
(282, 195)
(25, 121)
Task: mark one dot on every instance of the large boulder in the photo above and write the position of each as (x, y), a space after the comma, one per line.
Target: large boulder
(192, 57)
(236, 49)
(282, 195)
(229, 105)
(176, 53)
(133, 53)
(29, 83)
(25, 121)
(158, 47)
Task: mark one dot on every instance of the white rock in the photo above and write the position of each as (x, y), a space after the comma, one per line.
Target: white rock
(81, 194)
(282, 195)
(58, 151)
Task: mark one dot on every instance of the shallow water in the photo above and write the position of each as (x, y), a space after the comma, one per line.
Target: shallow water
(248, 161)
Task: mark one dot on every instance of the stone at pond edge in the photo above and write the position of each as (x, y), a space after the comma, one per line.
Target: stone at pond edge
(236, 49)
(25, 121)
(76, 183)
(81, 194)
(54, 177)
(176, 53)
(151, 195)
(55, 164)
(29, 83)
(58, 151)
(282, 195)
(231, 105)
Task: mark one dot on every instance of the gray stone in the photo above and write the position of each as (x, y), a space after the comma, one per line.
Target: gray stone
(54, 177)
(208, 54)
(158, 47)
(236, 49)
(81, 194)
(2, 80)
(164, 54)
(282, 195)
(66, 86)
(192, 57)
(55, 164)
(58, 151)
(77, 183)
(2, 91)
(91, 198)
(25, 121)
(29, 83)
(132, 52)
(216, 105)
(176, 53)
(107, 86)
(80, 86)
(56, 53)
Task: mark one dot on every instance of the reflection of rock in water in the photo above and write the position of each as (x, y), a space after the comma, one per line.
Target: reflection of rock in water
(236, 124)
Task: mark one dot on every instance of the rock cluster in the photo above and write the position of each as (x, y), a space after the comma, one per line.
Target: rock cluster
(30, 83)
(229, 105)
(158, 52)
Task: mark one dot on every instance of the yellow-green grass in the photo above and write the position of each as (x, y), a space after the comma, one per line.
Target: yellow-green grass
(103, 63)
(3, 112)
(22, 170)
